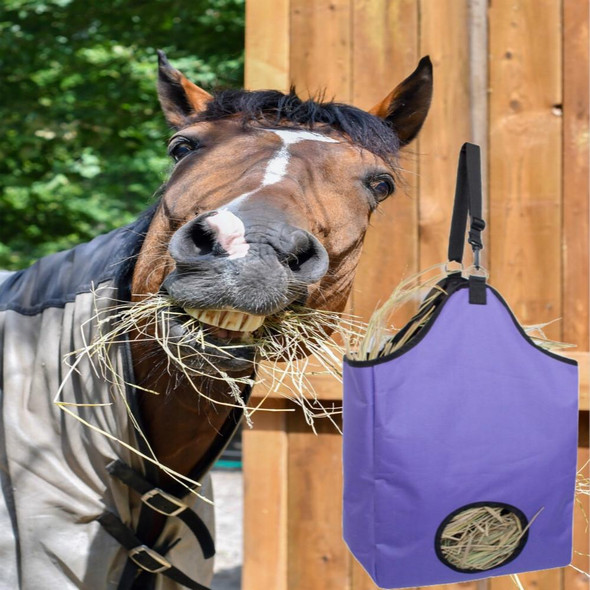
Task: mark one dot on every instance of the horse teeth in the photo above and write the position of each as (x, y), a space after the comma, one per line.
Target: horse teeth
(194, 313)
(226, 319)
(251, 322)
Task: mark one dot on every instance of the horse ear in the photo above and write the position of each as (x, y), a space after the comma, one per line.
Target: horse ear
(178, 96)
(406, 107)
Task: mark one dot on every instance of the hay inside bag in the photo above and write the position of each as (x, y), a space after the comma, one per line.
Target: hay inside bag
(460, 446)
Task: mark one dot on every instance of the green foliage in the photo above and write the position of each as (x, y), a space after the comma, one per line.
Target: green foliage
(82, 138)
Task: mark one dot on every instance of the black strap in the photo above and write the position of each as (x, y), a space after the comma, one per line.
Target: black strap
(477, 290)
(467, 200)
(164, 503)
(146, 558)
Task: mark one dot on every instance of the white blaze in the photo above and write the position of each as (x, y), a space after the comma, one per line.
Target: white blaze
(230, 233)
(276, 168)
(229, 228)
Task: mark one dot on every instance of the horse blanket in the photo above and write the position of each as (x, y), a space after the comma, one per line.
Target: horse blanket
(62, 483)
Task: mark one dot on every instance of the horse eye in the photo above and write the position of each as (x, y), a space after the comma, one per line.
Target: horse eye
(381, 187)
(181, 148)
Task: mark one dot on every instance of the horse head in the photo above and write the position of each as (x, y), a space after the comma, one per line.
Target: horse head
(268, 201)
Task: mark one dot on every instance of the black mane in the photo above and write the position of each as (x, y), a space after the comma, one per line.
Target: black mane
(276, 109)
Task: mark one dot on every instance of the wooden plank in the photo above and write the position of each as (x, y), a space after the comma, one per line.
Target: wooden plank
(317, 554)
(479, 585)
(320, 40)
(542, 580)
(448, 124)
(573, 579)
(325, 386)
(385, 48)
(478, 74)
(330, 389)
(576, 189)
(567, 578)
(525, 157)
(359, 578)
(478, 86)
(583, 359)
(267, 45)
(265, 502)
(385, 35)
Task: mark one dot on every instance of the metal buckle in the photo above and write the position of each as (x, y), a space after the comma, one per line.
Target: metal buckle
(158, 492)
(476, 258)
(452, 266)
(164, 564)
(480, 271)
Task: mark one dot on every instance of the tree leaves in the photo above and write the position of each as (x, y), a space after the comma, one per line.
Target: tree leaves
(82, 139)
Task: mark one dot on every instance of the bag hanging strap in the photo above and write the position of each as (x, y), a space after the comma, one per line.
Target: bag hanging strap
(468, 200)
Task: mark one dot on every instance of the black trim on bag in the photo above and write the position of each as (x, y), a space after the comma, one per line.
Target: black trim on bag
(457, 283)
(454, 287)
(553, 355)
(517, 550)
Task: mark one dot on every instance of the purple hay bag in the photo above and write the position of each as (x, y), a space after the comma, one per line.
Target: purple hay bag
(469, 411)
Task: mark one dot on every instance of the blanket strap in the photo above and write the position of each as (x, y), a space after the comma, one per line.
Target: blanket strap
(146, 558)
(164, 503)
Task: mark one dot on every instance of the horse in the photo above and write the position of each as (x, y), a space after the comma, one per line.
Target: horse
(265, 209)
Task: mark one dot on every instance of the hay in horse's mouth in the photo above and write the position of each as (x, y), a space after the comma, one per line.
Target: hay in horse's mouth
(198, 348)
(280, 345)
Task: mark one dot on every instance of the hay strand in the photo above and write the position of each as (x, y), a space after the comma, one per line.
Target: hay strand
(482, 538)
(382, 337)
(282, 346)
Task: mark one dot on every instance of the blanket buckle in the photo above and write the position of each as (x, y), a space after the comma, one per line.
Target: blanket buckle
(163, 503)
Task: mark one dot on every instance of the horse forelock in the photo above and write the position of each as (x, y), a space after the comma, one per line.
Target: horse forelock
(274, 109)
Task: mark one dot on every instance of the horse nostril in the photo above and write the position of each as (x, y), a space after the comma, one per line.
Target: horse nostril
(203, 237)
(300, 250)
(295, 261)
(305, 256)
(193, 240)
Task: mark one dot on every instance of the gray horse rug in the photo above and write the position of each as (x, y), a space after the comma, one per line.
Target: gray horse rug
(75, 503)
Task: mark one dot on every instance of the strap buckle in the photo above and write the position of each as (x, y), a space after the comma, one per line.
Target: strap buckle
(476, 258)
(163, 503)
(149, 560)
(452, 266)
(478, 224)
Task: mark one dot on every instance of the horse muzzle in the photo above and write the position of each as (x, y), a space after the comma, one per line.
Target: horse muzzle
(252, 263)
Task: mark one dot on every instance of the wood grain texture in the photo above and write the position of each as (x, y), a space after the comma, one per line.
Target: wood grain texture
(265, 502)
(536, 242)
(542, 580)
(385, 51)
(479, 585)
(448, 124)
(326, 386)
(359, 578)
(583, 359)
(267, 45)
(320, 41)
(572, 579)
(525, 157)
(525, 174)
(318, 557)
(576, 189)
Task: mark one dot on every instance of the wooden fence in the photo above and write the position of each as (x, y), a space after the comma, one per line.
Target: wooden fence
(511, 75)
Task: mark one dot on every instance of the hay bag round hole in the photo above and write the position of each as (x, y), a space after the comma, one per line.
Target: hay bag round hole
(481, 536)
